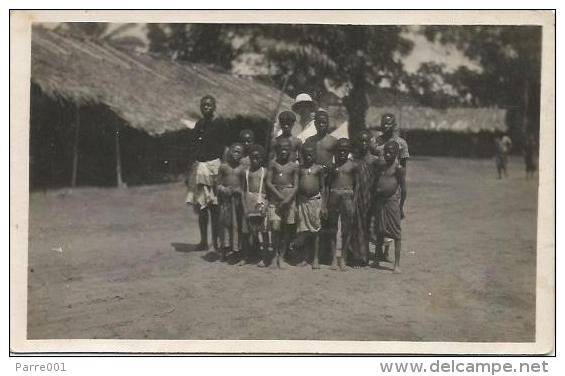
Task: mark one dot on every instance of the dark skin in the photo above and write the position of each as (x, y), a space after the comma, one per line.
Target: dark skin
(282, 172)
(343, 177)
(311, 183)
(255, 159)
(207, 108)
(391, 177)
(231, 180)
(325, 142)
(295, 143)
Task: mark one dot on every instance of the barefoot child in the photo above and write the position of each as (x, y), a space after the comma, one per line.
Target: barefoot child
(255, 203)
(362, 197)
(342, 181)
(282, 182)
(309, 201)
(389, 207)
(230, 182)
(287, 119)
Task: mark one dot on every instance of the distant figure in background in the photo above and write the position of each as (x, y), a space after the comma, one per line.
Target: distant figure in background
(206, 150)
(287, 121)
(503, 144)
(530, 149)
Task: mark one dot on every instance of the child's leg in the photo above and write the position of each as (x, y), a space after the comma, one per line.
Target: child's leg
(346, 241)
(215, 214)
(333, 249)
(397, 248)
(378, 249)
(316, 258)
(203, 225)
(286, 234)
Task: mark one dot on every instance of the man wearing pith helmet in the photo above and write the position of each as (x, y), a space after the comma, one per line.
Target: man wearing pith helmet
(304, 107)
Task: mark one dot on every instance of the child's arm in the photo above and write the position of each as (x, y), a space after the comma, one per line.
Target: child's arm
(325, 194)
(298, 150)
(269, 181)
(243, 185)
(401, 176)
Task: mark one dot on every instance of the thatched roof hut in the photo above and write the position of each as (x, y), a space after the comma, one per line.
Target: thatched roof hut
(150, 94)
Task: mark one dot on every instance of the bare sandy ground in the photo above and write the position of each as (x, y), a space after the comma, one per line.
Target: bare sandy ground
(126, 269)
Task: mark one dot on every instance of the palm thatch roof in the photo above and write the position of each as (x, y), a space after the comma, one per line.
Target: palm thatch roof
(150, 94)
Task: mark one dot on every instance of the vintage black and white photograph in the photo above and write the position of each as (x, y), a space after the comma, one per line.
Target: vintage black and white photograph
(307, 181)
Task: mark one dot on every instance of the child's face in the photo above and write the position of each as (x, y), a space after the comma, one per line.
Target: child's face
(236, 152)
(255, 159)
(286, 128)
(322, 123)
(390, 154)
(207, 107)
(283, 153)
(308, 156)
(247, 139)
(364, 141)
(342, 154)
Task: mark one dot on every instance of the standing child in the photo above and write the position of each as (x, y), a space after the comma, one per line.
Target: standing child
(324, 141)
(310, 202)
(342, 181)
(255, 202)
(362, 197)
(230, 183)
(389, 207)
(287, 119)
(247, 138)
(282, 182)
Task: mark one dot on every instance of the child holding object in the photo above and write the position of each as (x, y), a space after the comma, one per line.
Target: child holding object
(309, 202)
(390, 195)
(342, 181)
(282, 182)
(230, 183)
(255, 203)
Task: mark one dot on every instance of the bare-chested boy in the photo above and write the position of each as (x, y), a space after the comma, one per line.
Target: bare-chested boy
(390, 195)
(287, 119)
(309, 202)
(282, 182)
(341, 181)
(324, 141)
(230, 183)
(255, 203)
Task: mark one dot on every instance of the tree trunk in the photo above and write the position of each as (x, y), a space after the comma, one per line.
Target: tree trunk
(119, 181)
(356, 102)
(75, 147)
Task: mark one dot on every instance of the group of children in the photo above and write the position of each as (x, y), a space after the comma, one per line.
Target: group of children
(302, 195)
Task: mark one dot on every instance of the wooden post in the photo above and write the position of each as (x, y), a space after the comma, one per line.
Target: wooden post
(119, 181)
(75, 147)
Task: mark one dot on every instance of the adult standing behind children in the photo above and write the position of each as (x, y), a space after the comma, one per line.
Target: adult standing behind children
(206, 149)
(390, 132)
(304, 107)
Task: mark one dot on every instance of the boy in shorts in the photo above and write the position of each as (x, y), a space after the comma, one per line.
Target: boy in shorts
(341, 211)
(282, 182)
(309, 202)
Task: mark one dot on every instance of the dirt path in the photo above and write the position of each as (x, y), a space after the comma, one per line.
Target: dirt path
(126, 269)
